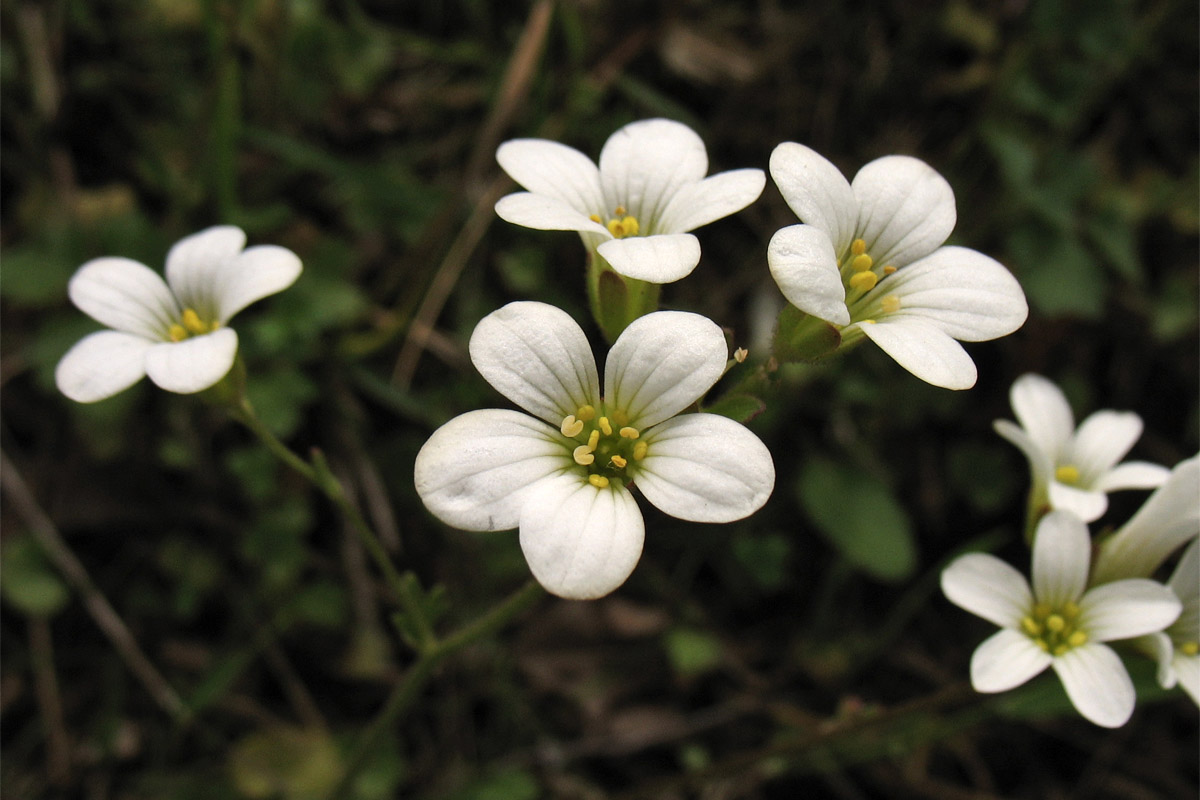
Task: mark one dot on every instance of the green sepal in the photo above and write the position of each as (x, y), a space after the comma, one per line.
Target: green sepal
(738, 407)
(803, 337)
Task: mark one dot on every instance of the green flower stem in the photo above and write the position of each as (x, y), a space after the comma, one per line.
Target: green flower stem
(616, 300)
(408, 690)
(317, 472)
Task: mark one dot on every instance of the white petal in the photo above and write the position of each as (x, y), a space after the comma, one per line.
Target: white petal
(196, 262)
(1126, 609)
(816, 191)
(1043, 412)
(102, 364)
(656, 259)
(1086, 504)
(581, 542)
(537, 356)
(711, 199)
(192, 365)
(1097, 683)
(989, 588)
(1159, 647)
(545, 214)
(1133, 475)
(925, 350)
(554, 170)
(253, 274)
(705, 468)
(124, 295)
(1185, 582)
(645, 164)
(1100, 442)
(1165, 521)
(804, 265)
(1005, 660)
(905, 209)
(661, 364)
(476, 470)
(1039, 460)
(968, 295)
(1062, 551)
(1187, 671)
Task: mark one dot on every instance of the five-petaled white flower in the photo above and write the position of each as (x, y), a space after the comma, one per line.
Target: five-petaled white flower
(1074, 469)
(1177, 649)
(1058, 623)
(637, 207)
(869, 260)
(173, 331)
(562, 476)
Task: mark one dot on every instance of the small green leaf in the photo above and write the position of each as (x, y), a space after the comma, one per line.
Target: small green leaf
(692, 652)
(740, 407)
(28, 581)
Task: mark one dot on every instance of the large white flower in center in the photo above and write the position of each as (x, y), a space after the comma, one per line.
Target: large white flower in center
(563, 475)
(636, 208)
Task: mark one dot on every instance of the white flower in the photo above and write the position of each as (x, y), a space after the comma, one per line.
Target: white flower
(1056, 623)
(173, 332)
(1177, 649)
(562, 478)
(868, 259)
(1074, 469)
(637, 207)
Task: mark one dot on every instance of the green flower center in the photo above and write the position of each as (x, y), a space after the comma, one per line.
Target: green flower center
(190, 324)
(1054, 630)
(605, 446)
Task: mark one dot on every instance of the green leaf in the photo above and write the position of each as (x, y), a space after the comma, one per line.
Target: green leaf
(512, 784)
(692, 652)
(28, 581)
(740, 407)
(858, 515)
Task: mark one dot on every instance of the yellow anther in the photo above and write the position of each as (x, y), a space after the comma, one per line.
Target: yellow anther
(1077, 638)
(614, 227)
(1067, 473)
(586, 413)
(740, 354)
(863, 281)
(862, 263)
(605, 426)
(583, 455)
(593, 440)
(596, 218)
(1055, 623)
(629, 433)
(619, 462)
(1070, 611)
(1190, 648)
(858, 247)
(891, 304)
(1041, 610)
(630, 226)
(177, 333)
(599, 481)
(619, 211)
(191, 321)
(571, 427)
(639, 451)
(1030, 626)
(889, 269)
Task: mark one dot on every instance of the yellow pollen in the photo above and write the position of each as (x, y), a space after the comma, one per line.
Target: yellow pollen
(1070, 611)
(1067, 473)
(605, 426)
(858, 247)
(599, 481)
(1055, 623)
(639, 451)
(619, 462)
(862, 263)
(1077, 638)
(583, 455)
(593, 440)
(1190, 648)
(615, 228)
(177, 333)
(191, 321)
(630, 226)
(619, 211)
(1030, 627)
(891, 304)
(571, 427)
(596, 218)
(629, 433)
(863, 281)
(889, 269)
(586, 413)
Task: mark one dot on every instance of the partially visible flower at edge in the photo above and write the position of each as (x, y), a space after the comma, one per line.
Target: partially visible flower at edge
(1059, 622)
(175, 331)
(869, 261)
(562, 476)
(1177, 649)
(1074, 469)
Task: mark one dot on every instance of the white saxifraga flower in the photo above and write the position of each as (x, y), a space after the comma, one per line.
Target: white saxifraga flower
(869, 260)
(1177, 649)
(1058, 622)
(562, 475)
(1074, 469)
(636, 208)
(172, 331)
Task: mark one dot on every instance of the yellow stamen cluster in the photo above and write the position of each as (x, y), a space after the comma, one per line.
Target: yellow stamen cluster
(1067, 473)
(620, 225)
(1190, 648)
(1055, 631)
(190, 325)
(602, 443)
(858, 269)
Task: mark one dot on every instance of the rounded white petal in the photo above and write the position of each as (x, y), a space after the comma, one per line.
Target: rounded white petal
(1062, 551)
(537, 356)
(581, 542)
(925, 350)
(905, 209)
(816, 191)
(125, 295)
(1042, 410)
(1187, 671)
(705, 468)
(1086, 504)
(1127, 608)
(545, 213)
(1133, 475)
(101, 365)
(656, 259)
(253, 274)
(803, 263)
(661, 364)
(554, 170)
(711, 199)
(645, 164)
(1005, 660)
(196, 263)
(476, 470)
(192, 365)
(1097, 683)
(1039, 461)
(1158, 646)
(989, 588)
(1100, 442)
(970, 296)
